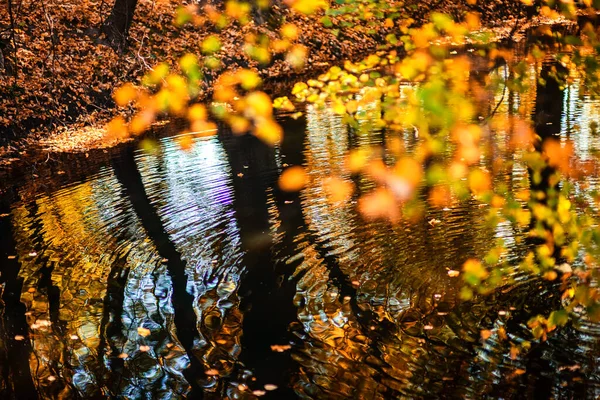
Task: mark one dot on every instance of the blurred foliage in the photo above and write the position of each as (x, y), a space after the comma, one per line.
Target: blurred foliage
(441, 111)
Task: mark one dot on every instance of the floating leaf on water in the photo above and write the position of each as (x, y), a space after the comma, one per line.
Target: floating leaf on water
(280, 348)
(514, 353)
(485, 334)
(565, 268)
(143, 332)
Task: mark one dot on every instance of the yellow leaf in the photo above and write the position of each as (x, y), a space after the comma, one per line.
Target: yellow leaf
(283, 103)
(258, 104)
(357, 160)
(248, 79)
(475, 268)
(339, 108)
(479, 181)
(196, 112)
(307, 6)
(289, 31)
(268, 131)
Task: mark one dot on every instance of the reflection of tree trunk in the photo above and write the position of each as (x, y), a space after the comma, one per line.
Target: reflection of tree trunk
(267, 293)
(17, 376)
(116, 26)
(185, 319)
(547, 121)
(111, 327)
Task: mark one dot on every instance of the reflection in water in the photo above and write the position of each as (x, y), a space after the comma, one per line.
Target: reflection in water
(378, 302)
(171, 274)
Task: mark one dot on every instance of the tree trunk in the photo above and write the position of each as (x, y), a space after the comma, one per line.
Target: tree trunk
(116, 26)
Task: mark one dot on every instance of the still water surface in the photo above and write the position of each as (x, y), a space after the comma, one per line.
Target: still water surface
(170, 273)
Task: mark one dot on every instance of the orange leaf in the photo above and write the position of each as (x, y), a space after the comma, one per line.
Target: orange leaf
(292, 179)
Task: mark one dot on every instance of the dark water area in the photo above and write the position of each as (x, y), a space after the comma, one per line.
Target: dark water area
(160, 273)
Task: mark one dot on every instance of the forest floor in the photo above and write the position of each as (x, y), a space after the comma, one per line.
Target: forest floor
(65, 72)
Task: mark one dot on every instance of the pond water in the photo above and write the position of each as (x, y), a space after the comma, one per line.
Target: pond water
(166, 273)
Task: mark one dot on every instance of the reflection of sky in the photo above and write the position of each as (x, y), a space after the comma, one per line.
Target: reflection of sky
(88, 229)
(579, 111)
(193, 193)
(394, 270)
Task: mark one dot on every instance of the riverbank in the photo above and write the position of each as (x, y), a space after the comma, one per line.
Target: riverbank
(58, 94)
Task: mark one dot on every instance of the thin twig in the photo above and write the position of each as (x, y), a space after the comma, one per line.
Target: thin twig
(503, 94)
(53, 44)
(14, 40)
